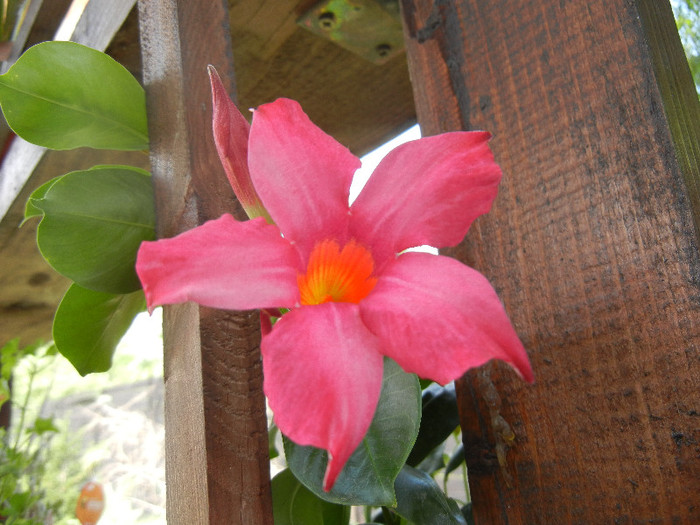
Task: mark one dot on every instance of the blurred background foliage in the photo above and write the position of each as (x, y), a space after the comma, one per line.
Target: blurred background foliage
(687, 13)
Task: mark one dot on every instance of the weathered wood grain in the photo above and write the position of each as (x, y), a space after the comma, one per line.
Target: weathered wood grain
(592, 245)
(217, 465)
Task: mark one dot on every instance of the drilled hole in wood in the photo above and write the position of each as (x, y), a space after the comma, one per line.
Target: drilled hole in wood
(383, 50)
(327, 20)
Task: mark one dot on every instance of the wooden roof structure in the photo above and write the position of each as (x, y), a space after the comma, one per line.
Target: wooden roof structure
(592, 243)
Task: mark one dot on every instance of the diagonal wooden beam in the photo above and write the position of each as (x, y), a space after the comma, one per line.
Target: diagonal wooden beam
(217, 464)
(592, 244)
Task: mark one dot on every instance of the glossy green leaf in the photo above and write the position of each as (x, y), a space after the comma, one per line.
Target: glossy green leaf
(434, 461)
(467, 512)
(294, 504)
(368, 476)
(440, 419)
(93, 224)
(88, 326)
(63, 95)
(421, 501)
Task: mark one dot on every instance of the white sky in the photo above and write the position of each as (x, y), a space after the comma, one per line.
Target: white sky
(370, 161)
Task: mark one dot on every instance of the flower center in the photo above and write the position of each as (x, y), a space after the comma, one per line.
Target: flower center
(341, 276)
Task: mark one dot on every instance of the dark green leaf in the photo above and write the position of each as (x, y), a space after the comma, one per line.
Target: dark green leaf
(468, 513)
(434, 461)
(421, 501)
(294, 504)
(62, 95)
(425, 383)
(88, 326)
(368, 476)
(440, 418)
(94, 222)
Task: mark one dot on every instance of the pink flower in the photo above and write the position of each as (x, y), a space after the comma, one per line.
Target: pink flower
(354, 294)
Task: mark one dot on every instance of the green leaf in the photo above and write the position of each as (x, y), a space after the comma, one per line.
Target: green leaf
(421, 501)
(94, 222)
(42, 425)
(63, 95)
(31, 209)
(434, 461)
(294, 504)
(368, 476)
(440, 418)
(11, 353)
(88, 326)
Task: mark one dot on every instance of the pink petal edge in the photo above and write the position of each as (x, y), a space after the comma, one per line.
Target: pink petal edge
(231, 132)
(222, 264)
(437, 317)
(427, 191)
(302, 174)
(323, 376)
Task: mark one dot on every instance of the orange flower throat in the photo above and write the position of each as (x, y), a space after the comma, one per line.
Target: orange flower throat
(341, 276)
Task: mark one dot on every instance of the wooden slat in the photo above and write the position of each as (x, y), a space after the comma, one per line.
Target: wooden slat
(217, 465)
(47, 20)
(22, 33)
(591, 244)
(100, 21)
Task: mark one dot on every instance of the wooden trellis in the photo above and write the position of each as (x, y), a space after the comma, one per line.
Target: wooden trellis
(592, 245)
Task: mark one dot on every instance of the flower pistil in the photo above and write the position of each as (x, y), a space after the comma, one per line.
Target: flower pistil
(341, 276)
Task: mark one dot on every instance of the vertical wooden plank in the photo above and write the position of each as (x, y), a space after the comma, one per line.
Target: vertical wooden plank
(217, 465)
(592, 245)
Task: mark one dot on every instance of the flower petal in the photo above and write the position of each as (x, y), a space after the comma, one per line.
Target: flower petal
(323, 376)
(223, 264)
(426, 191)
(231, 132)
(437, 318)
(302, 174)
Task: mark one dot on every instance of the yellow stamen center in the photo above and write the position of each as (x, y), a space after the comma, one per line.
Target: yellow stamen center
(341, 276)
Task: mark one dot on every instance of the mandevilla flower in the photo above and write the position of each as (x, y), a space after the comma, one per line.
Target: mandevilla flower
(354, 294)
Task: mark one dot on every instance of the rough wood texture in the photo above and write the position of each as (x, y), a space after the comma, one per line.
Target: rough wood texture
(217, 465)
(591, 245)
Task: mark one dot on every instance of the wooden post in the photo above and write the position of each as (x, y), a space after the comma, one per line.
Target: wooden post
(217, 465)
(592, 245)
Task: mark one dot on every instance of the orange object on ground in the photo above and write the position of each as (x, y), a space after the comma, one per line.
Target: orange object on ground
(91, 503)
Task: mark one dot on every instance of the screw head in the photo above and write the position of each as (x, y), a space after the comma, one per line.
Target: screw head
(383, 50)
(327, 20)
